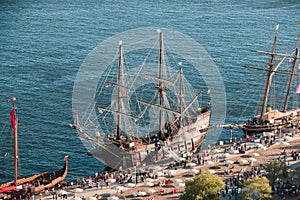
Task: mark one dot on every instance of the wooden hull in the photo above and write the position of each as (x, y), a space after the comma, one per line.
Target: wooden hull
(258, 129)
(275, 121)
(22, 180)
(188, 138)
(52, 182)
(45, 179)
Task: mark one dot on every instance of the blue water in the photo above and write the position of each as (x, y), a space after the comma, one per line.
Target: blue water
(43, 44)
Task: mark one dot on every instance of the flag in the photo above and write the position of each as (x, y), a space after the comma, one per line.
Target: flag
(13, 119)
(298, 89)
(11, 99)
(208, 91)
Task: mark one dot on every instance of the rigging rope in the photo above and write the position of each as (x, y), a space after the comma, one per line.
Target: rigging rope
(92, 104)
(3, 135)
(260, 99)
(7, 149)
(40, 145)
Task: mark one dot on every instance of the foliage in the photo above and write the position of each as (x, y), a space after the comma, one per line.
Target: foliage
(276, 169)
(203, 187)
(257, 188)
(294, 173)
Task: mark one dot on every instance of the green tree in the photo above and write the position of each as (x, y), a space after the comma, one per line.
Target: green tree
(203, 187)
(257, 188)
(276, 169)
(294, 173)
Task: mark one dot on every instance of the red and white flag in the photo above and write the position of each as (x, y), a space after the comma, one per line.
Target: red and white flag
(298, 89)
(13, 119)
(208, 92)
(11, 99)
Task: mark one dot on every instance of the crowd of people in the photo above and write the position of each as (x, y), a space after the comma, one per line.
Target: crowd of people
(233, 177)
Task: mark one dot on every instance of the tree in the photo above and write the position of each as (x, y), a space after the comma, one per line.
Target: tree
(203, 187)
(276, 169)
(294, 173)
(257, 188)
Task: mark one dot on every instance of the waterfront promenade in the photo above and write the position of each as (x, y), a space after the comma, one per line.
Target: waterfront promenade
(229, 161)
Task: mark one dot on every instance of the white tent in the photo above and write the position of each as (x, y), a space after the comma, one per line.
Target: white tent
(193, 171)
(191, 164)
(78, 190)
(76, 198)
(210, 171)
(151, 191)
(155, 167)
(242, 161)
(217, 151)
(284, 144)
(209, 162)
(113, 198)
(170, 172)
(111, 180)
(287, 138)
(182, 159)
(233, 151)
(268, 134)
(149, 180)
(255, 154)
(130, 185)
(158, 173)
(141, 194)
(251, 159)
(229, 162)
(177, 180)
(148, 184)
(62, 192)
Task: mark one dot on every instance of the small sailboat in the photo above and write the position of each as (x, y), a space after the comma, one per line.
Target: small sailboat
(36, 183)
(173, 120)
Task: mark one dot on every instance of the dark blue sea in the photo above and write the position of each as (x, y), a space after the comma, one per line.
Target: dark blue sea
(44, 43)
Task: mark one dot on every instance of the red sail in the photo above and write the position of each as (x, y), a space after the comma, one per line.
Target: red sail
(13, 119)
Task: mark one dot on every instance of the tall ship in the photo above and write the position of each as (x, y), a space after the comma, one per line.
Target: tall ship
(150, 113)
(273, 120)
(25, 187)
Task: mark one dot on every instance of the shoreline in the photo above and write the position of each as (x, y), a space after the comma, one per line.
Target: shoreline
(216, 161)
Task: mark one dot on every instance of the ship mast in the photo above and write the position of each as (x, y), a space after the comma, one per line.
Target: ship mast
(291, 76)
(120, 68)
(16, 153)
(160, 84)
(180, 91)
(270, 74)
